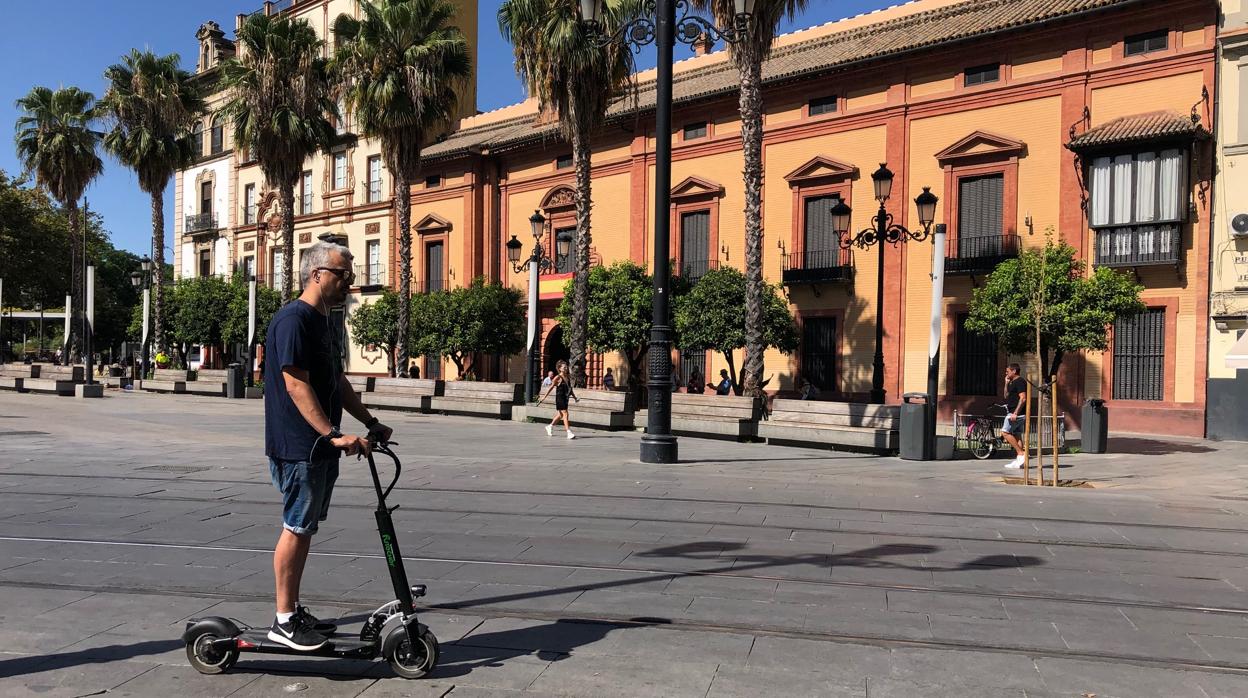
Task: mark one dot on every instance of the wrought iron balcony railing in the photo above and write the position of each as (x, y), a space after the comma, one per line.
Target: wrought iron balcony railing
(370, 274)
(693, 269)
(979, 254)
(200, 223)
(834, 266)
(1139, 246)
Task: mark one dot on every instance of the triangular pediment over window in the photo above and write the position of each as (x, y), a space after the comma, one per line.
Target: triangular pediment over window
(432, 223)
(820, 168)
(696, 186)
(982, 145)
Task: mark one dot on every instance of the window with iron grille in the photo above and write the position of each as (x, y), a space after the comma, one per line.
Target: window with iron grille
(305, 193)
(433, 367)
(563, 162)
(696, 130)
(819, 352)
(205, 263)
(690, 360)
(340, 171)
(1136, 206)
(249, 267)
(249, 204)
(373, 257)
(433, 181)
(218, 138)
(564, 265)
(820, 242)
(1140, 44)
(374, 178)
(976, 361)
(982, 74)
(980, 215)
(205, 198)
(197, 140)
(695, 244)
(822, 105)
(1140, 356)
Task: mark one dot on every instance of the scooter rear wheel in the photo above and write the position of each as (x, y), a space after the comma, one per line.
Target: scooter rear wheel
(207, 660)
(412, 658)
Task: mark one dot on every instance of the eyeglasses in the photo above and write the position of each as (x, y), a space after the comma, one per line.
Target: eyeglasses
(345, 274)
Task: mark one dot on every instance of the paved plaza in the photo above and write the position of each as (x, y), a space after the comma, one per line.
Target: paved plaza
(562, 567)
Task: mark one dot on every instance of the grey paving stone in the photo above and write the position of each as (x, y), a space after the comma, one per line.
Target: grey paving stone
(750, 682)
(1168, 645)
(599, 675)
(847, 662)
(1232, 650)
(1031, 635)
(946, 604)
(630, 604)
(492, 667)
(1078, 677)
(894, 688)
(70, 679)
(959, 668)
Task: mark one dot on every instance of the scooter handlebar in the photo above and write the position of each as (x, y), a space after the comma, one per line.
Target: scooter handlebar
(377, 446)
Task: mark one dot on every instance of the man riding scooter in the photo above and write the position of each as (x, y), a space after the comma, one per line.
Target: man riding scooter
(305, 393)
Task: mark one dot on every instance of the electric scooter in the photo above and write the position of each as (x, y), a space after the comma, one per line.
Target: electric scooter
(213, 643)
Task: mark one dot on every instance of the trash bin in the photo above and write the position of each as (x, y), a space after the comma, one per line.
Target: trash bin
(917, 417)
(234, 382)
(1095, 427)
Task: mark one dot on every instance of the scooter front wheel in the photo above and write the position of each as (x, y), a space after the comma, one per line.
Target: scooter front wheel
(205, 658)
(412, 658)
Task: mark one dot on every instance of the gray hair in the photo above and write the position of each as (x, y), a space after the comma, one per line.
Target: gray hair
(318, 256)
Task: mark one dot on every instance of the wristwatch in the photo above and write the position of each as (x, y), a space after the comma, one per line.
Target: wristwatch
(334, 433)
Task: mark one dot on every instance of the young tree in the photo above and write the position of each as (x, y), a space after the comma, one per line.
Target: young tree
(402, 62)
(280, 96)
(711, 314)
(752, 46)
(198, 316)
(57, 143)
(479, 318)
(576, 76)
(377, 323)
(1043, 303)
(234, 327)
(152, 104)
(619, 314)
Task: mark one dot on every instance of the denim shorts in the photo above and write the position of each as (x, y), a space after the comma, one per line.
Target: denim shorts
(1013, 425)
(306, 487)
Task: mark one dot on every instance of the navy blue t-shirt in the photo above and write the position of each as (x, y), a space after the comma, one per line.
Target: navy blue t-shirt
(299, 336)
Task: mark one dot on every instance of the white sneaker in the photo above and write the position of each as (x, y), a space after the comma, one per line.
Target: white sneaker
(571, 436)
(1016, 464)
(550, 430)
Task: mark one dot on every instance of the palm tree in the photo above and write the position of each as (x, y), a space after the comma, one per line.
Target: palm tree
(153, 105)
(280, 98)
(57, 144)
(748, 53)
(576, 77)
(401, 64)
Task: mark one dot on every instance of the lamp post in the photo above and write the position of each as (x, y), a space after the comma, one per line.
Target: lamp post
(659, 25)
(536, 261)
(143, 279)
(883, 230)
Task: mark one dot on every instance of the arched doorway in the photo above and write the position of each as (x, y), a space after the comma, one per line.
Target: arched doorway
(554, 350)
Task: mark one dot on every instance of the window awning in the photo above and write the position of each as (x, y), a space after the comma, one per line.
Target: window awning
(1237, 357)
(1140, 129)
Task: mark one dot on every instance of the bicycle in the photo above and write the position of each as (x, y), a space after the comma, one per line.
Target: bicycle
(983, 434)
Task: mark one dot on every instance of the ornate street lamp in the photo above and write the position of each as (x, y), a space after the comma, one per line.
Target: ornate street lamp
(143, 279)
(883, 230)
(537, 261)
(659, 25)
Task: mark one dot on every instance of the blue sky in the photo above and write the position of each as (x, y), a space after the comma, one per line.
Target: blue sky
(70, 42)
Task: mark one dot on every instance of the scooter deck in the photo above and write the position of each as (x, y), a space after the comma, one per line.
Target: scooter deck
(257, 640)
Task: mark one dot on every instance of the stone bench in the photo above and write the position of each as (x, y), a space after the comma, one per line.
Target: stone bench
(59, 380)
(12, 376)
(597, 408)
(412, 394)
(361, 384)
(847, 425)
(478, 398)
(725, 416)
(166, 380)
(208, 381)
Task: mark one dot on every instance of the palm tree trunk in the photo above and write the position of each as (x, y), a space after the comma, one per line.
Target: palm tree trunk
(288, 240)
(76, 251)
(158, 267)
(749, 64)
(403, 200)
(580, 284)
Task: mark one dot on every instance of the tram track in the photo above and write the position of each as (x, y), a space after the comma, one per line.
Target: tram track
(884, 640)
(651, 574)
(1047, 542)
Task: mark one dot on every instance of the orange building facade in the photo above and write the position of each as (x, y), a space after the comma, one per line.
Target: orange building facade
(1087, 118)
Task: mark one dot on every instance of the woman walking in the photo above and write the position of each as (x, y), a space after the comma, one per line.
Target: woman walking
(562, 385)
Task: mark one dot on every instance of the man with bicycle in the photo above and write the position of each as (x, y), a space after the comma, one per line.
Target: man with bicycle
(1015, 402)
